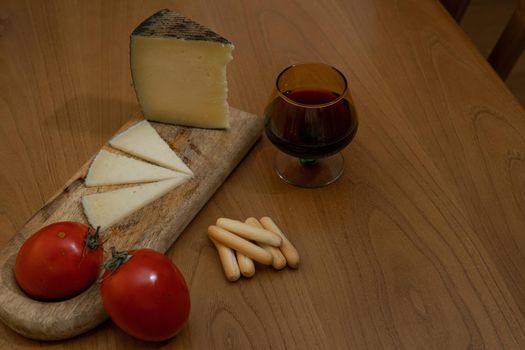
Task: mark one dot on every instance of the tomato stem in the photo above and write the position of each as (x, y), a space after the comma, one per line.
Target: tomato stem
(117, 259)
(93, 240)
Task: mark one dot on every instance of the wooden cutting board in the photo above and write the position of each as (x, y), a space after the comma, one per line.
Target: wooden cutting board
(211, 154)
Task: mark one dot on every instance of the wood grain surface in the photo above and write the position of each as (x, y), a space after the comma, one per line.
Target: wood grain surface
(211, 154)
(419, 245)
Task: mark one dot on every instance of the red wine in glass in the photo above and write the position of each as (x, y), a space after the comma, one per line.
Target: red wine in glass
(313, 127)
(310, 117)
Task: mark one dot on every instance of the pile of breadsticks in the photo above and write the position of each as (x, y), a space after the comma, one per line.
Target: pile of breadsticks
(239, 244)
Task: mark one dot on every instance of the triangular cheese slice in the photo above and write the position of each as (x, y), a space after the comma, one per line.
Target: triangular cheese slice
(142, 141)
(107, 208)
(112, 169)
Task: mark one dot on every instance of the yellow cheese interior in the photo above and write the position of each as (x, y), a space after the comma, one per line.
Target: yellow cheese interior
(181, 81)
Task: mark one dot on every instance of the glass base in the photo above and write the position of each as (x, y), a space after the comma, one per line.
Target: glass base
(309, 173)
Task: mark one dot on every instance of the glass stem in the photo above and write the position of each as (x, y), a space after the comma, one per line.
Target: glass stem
(308, 162)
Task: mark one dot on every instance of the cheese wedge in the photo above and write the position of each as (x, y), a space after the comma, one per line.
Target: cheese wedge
(107, 208)
(142, 141)
(179, 71)
(112, 169)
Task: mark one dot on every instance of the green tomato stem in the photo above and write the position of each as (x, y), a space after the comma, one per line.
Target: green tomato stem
(93, 240)
(117, 259)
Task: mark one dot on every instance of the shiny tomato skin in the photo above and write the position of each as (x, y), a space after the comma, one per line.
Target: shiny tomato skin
(147, 296)
(53, 265)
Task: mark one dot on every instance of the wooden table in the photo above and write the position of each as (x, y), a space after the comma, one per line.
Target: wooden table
(420, 243)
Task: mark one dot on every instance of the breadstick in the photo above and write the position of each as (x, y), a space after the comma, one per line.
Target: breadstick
(229, 264)
(245, 265)
(289, 251)
(249, 232)
(279, 261)
(239, 244)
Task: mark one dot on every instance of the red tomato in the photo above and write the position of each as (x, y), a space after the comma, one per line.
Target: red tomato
(59, 261)
(145, 294)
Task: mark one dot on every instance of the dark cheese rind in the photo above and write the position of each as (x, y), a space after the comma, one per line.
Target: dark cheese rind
(166, 23)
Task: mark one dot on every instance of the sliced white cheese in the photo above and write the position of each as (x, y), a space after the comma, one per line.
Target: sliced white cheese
(143, 141)
(179, 71)
(107, 208)
(112, 169)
